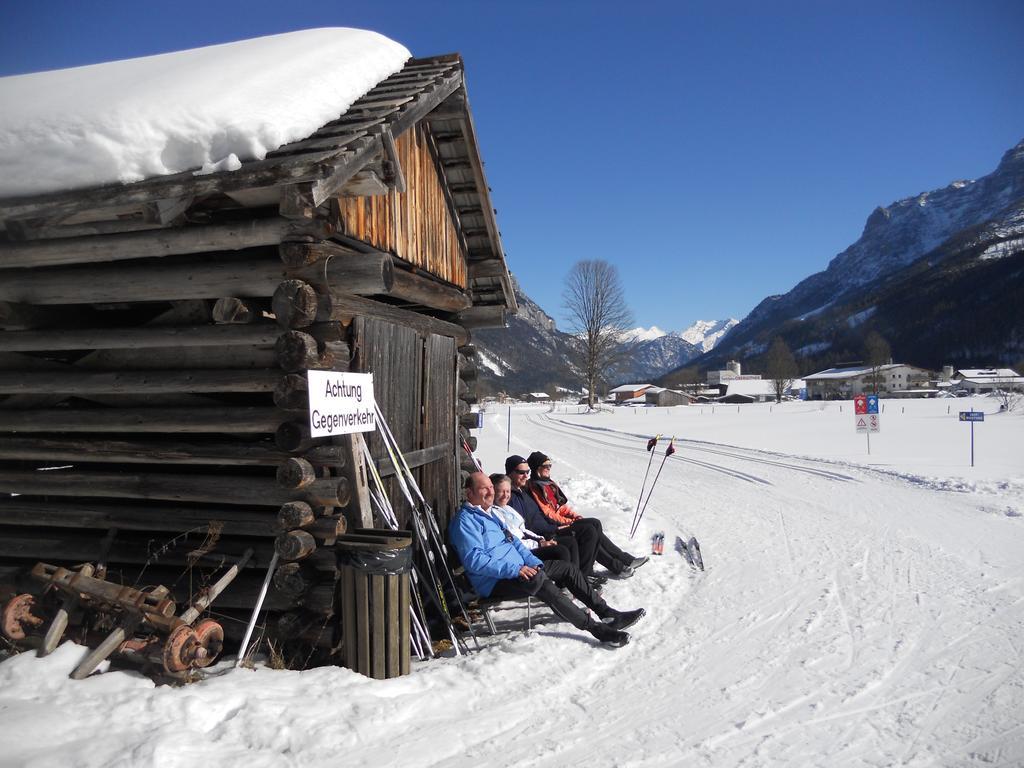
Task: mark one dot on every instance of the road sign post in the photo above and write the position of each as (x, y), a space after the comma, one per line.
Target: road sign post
(972, 416)
(865, 416)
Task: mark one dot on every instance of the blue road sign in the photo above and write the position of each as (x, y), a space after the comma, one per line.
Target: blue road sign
(972, 416)
(872, 403)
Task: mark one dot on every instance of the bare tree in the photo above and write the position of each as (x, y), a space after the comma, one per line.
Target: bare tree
(877, 353)
(599, 319)
(781, 367)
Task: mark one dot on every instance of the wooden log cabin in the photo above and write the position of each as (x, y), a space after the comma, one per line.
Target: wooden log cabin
(154, 338)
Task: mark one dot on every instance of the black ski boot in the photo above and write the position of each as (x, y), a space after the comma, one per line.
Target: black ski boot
(607, 635)
(623, 619)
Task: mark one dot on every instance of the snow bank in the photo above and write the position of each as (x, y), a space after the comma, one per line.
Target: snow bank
(208, 108)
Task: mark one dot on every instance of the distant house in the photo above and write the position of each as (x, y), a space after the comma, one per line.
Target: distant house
(663, 397)
(843, 383)
(980, 381)
(747, 391)
(536, 397)
(629, 392)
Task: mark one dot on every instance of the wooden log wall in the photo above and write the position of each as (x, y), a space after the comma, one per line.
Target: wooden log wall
(153, 384)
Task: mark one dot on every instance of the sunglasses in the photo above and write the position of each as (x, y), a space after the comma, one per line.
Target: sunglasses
(520, 472)
(544, 466)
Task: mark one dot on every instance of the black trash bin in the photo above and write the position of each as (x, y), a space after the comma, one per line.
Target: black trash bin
(374, 597)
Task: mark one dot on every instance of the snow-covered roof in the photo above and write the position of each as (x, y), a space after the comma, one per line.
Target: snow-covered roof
(206, 109)
(539, 394)
(750, 388)
(986, 374)
(629, 388)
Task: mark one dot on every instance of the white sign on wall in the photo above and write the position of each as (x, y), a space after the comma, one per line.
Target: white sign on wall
(340, 403)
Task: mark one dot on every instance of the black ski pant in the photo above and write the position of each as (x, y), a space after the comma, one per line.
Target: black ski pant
(605, 552)
(547, 585)
(558, 552)
(585, 538)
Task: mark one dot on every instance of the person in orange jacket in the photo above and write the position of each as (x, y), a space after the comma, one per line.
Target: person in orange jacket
(555, 507)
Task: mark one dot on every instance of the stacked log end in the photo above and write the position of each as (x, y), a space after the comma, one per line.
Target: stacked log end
(467, 416)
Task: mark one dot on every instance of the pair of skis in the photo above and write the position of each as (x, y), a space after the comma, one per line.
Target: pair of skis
(691, 551)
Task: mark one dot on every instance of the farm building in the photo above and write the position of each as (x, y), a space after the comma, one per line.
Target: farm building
(629, 392)
(661, 396)
(155, 338)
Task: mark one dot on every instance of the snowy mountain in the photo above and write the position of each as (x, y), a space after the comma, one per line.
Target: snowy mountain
(939, 275)
(533, 355)
(706, 334)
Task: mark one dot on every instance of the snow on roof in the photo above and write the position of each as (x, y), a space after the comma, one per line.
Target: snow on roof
(539, 394)
(751, 388)
(628, 388)
(980, 374)
(206, 108)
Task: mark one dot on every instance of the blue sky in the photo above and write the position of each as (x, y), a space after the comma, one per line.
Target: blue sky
(716, 152)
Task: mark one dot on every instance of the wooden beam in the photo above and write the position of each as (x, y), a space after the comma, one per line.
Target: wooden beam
(172, 420)
(148, 337)
(274, 172)
(251, 233)
(207, 278)
(487, 268)
(492, 316)
(92, 450)
(220, 489)
(59, 513)
(417, 458)
(75, 382)
(393, 166)
(297, 305)
(427, 292)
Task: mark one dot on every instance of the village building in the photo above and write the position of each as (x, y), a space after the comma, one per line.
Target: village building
(628, 393)
(662, 397)
(982, 381)
(155, 339)
(733, 372)
(536, 397)
(844, 383)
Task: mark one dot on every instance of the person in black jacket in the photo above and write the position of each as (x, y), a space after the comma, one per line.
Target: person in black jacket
(581, 540)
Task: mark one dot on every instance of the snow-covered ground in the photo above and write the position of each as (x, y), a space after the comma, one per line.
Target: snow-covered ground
(856, 610)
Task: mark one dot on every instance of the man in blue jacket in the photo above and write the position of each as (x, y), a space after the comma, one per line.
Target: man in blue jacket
(498, 565)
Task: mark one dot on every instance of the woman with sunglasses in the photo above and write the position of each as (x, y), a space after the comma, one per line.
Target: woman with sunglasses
(554, 505)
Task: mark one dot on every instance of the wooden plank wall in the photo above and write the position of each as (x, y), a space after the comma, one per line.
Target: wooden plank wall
(440, 479)
(414, 383)
(415, 225)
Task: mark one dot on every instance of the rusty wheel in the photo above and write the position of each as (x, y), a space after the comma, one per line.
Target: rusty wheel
(19, 618)
(179, 650)
(210, 642)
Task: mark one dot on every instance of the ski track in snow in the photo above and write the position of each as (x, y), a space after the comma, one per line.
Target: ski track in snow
(846, 618)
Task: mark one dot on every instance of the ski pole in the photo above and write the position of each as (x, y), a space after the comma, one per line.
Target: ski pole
(433, 533)
(650, 449)
(668, 452)
(428, 513)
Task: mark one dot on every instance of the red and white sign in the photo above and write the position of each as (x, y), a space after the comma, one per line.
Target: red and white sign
(860, 404)
(867, 422)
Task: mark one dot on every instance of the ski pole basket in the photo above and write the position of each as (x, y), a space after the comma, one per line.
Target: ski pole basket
(375, 566)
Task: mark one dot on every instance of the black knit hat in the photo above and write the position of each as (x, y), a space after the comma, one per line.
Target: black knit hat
(536, 459)
(512, 462)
